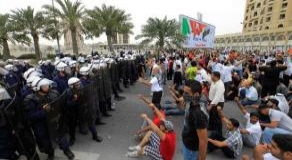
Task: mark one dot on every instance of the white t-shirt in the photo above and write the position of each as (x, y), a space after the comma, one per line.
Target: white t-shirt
(177, 62)
(284, 120)
(155, 87)
(227, 73)
(202, 75)
(254, 130)
(283, 104)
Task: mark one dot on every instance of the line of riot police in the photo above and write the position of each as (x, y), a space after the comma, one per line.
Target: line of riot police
(43, 105)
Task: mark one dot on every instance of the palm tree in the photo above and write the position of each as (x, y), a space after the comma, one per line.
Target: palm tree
(9, 33)
(32, 23)
(162, 32)
(108, 20)
(70, 13)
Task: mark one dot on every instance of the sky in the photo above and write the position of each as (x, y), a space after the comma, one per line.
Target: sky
(226, 15)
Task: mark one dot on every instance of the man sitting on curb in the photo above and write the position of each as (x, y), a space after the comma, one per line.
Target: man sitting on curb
(158, 144)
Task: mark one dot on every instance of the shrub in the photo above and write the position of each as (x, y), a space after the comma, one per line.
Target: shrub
(51, 56)
(27, 56)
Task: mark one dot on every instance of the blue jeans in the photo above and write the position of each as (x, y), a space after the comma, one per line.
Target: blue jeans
(239, 72)
(175, 111)
(269, 132)
(189, 154)
(247, 102)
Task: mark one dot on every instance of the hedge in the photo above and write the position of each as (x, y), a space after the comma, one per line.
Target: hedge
(27, 56)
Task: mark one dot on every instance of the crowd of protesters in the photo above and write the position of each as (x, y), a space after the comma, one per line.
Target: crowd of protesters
(202, 82)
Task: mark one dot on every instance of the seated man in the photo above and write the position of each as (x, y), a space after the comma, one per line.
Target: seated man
(178, 109)
(280, 123)
(251, 135)
(248, 93)
(230, 146)
(158, 144)
(279, 149)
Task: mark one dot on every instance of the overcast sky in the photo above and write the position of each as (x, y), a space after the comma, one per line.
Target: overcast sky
(226, 15)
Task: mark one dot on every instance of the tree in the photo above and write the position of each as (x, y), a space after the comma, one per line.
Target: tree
(31, 23)
(8, 33)
(162, 32)
(71, 15)
(108, 20)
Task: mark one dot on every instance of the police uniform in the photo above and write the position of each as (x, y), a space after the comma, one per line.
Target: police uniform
(61, 82)
(33, 105)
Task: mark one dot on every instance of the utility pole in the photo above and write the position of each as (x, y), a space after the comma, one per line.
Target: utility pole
(55, 21)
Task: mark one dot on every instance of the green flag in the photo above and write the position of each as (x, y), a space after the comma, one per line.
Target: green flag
(185, 27)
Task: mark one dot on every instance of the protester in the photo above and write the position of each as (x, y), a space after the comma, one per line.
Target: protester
(194, 134)
(177, 78)
(178, 107)
(156, 86)
(271, 77)
(191, 71)
(280, 148)
(252, 133)
(280, 123)
(216, 98)
(160, 144)
(248, 93)
(231, 145)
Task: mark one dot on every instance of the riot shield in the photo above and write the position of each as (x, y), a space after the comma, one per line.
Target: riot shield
(87, 102)
(54, 117)
(107, 82)
(23, 146)
(12, 89)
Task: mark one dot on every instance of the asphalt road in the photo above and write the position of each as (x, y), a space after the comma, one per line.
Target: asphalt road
(119, 131)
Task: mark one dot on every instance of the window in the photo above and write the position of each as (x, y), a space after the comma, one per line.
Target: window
(259, 5)
(255, 14)
(246, 17)
(267, 27)
(252, 8)
(268, 19)
(280, 26)
(249, 24)
(256, 23)
(282, 16)
(270, 9)
(284, 5)
(244, 25)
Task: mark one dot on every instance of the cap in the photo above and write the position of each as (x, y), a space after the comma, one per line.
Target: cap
(167, 124)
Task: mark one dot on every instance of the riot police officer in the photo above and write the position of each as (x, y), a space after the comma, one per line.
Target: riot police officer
(72, 106)
(61, 78)
(36, 108)
(8, 143)
(11, 78)
(85, 81)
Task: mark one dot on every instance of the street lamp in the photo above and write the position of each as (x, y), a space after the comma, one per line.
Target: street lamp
(55, 21)
(243, 38)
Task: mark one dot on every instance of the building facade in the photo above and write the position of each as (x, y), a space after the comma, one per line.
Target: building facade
(121, 39)
(267, 25)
